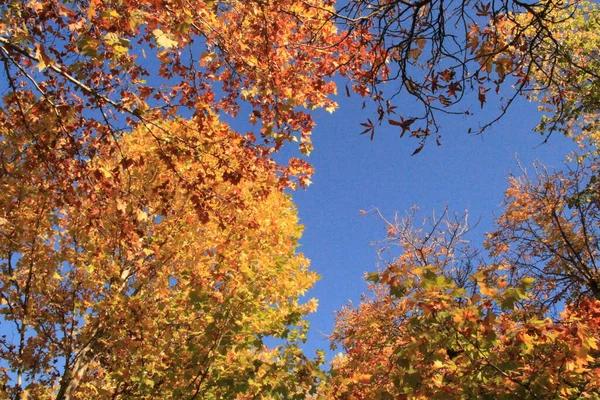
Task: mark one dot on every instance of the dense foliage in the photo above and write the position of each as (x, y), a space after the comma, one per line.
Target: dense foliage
(148, 249)
(145, 255)
(120, 287)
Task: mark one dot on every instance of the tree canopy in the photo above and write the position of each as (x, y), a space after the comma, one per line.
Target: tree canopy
(445, 320)
(148, 249)
(124, 289)
(451, 57)
(518, 316)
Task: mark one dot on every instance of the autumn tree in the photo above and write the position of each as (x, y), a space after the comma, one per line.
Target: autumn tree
(451, 57)
(147, 248)
(521, 320)
(111, 65)
(518, 317)
(549, 231)
(563, 82)
(118, 284)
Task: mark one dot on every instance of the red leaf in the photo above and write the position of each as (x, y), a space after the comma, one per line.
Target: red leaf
(418, 149)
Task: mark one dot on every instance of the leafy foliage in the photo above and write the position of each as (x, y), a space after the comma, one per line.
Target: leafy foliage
(148, 250)
(144, 255)
(451, 57)
(119, 283)
(563, 70)
(520, 320)
(114, 64)
(445, 321)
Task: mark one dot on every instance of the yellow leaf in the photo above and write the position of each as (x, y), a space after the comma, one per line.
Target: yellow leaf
(485, 290)
(164, 39)
(44, 60)
(141, 215)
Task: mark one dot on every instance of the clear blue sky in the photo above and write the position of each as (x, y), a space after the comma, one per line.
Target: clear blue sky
(354, 173)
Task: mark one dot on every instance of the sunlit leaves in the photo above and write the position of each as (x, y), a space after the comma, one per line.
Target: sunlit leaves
(163, 39)
(147, 62)
(443, 321)
(153, 275)
(144, 255)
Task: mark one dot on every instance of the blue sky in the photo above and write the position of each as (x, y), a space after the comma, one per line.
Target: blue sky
(354, 173)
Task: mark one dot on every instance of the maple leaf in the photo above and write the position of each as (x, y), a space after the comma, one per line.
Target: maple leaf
(164, 39)
(44, 61)
(370, 128)
(483, 10)
(453, 88)
(482, 95)
(403, 123)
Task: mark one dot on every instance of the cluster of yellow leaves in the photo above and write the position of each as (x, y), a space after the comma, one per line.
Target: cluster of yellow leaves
(150, 276)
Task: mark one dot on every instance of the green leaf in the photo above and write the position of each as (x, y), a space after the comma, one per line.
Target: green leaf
(372, 277)
(403, 363)
(428, 275)
(413, 379)
(527, 282)
(397, 291)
